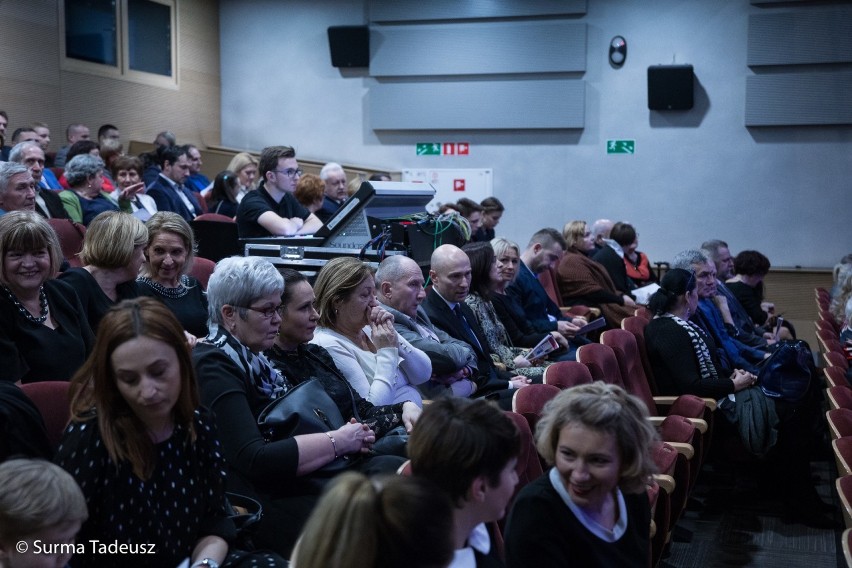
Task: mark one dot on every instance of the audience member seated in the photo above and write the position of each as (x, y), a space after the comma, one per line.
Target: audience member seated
(472, 212)
(168, 189)
(143, 450)
(359, 335)
(83, 147)
(469, 449)
(838, 301)
(735, 315)
(600, 232)
(196, 181)
(17, 188)
(400, 291)
(543, 252)
(238, 382)
(484, 279)
(636, 263)
(42, 337)
(684, 360)
(334, 179)
(48, 180)
(611, 257)
(298, 360)
(584, 281)
(127, 172)
(733, 354)
(73, 133)
(591, 508)
(272, 210)
(23, 433)
(446, 307)
(110, 150)
(151, 166)
(510, 312)
(41, 504)
(846, 332)
(112, 255)
(47, 202)
(310, 193)
(223, 196)
(492, 211)
(87, 198)
(750, 268)
(168, 257)
(839, 272)
(244, 165)
(372, 523)
(4, 149)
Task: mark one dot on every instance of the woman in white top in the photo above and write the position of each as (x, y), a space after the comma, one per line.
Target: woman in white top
(382, 366)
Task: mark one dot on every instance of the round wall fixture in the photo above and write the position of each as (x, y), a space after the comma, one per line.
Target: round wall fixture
(617, 51)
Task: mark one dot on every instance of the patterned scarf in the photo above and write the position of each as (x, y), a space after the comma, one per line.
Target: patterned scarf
(256, 366)
(699, 346)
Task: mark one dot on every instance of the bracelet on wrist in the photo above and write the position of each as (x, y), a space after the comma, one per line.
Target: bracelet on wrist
(333, 444)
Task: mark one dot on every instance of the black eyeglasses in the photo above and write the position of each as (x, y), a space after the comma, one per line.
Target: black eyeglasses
(267, 313)
(289, 172)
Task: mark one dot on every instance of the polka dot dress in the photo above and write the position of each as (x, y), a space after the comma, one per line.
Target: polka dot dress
(181, 502)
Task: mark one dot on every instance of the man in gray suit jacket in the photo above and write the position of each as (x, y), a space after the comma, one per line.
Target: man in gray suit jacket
(399, 282)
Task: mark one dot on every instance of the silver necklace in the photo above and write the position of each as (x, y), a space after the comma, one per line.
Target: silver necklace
(42, 300)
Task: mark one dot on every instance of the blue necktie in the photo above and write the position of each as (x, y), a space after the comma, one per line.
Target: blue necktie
(470, 335)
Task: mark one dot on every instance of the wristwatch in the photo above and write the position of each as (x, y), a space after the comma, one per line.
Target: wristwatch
(207, 563)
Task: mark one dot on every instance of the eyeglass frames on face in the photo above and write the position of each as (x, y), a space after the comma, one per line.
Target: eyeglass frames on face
(267, 313)
(290, 173)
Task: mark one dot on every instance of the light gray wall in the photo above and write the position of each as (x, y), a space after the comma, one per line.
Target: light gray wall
(695, 175)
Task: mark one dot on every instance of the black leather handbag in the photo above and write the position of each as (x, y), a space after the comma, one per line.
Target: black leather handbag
(787, 373)
(304, 409)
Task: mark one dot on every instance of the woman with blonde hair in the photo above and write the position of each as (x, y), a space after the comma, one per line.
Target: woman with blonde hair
(164, 274)
(113, 251)
(383, 522)
(359, 335)
(591, 508)
(584, 281)
(41, 315)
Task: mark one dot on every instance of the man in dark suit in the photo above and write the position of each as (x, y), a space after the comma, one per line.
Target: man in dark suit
(544, 251)
(47, 202)
(168, 190)
(450, 275)
(399, 282)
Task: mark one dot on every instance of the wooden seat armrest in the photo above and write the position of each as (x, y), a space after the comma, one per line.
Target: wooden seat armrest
(666, 482)
(669, 400)
(686, 450)
(699, 423)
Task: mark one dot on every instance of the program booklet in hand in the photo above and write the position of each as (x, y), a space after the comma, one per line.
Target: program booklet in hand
(591, 326)
(540, 351)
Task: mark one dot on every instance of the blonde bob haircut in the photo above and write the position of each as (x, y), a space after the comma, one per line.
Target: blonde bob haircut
(335, 283)
(169, 222)
(111, 238)
(574, 233)
(36, 495)
(361, 522)
(28, 231)
(502, 244)
(609, 409)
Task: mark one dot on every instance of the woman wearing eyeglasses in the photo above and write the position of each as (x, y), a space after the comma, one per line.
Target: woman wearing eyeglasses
(237, 382)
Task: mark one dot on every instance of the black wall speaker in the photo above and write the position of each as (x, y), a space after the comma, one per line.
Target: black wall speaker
(670, 87)
(349, 46)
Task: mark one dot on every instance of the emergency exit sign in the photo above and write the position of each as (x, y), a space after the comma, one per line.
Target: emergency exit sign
(620, 146)
(442, 149)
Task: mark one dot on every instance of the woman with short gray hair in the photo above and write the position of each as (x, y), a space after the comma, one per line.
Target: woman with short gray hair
(86, 199)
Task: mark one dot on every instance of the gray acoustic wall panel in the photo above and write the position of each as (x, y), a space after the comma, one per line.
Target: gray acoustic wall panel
(480, 48)
(815, 35)
(419, 10)
(476, 105)
(799, 99)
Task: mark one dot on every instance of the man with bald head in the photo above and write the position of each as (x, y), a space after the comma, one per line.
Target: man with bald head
(47, 202)
(399, 282)
(445, 306)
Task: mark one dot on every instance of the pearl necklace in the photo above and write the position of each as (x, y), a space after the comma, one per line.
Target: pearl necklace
(42, 300)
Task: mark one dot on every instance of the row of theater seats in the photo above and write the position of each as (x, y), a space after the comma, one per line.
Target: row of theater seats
(685, 423)
(839, 415)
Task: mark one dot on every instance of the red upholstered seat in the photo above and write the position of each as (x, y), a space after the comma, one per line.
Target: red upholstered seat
(53, 402)
(839, 422)
(530, 400)
(70, 239)
(201, 270)
(566, 374)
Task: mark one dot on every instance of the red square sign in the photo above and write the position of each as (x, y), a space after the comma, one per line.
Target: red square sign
(458, 185)
(463, 148)
(449, 148)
